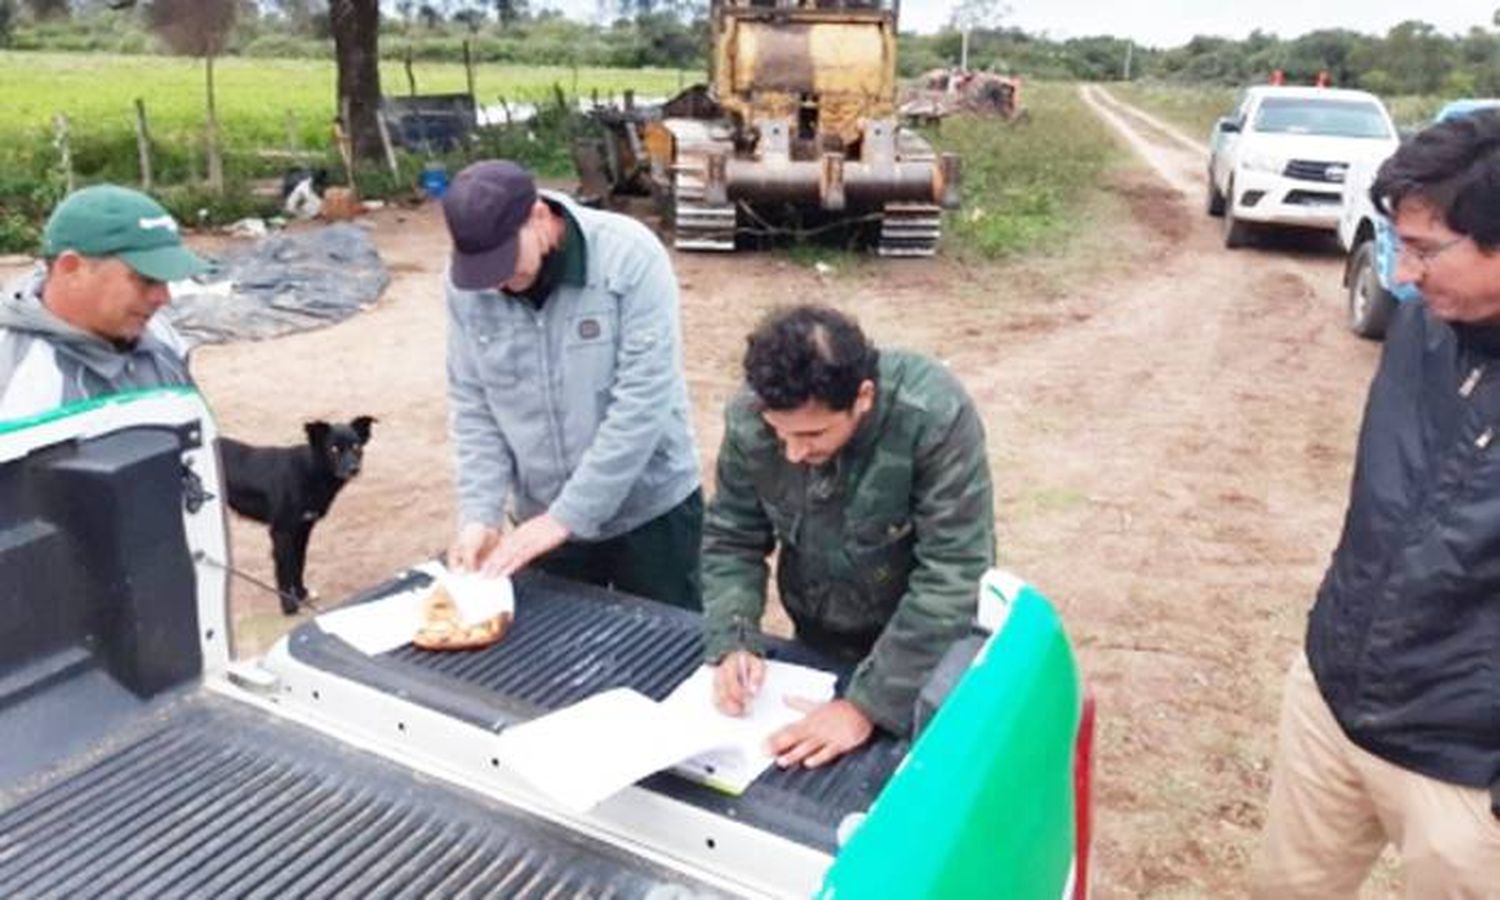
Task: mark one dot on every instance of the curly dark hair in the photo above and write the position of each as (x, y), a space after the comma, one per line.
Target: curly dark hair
(1454, 166)
(808, 353)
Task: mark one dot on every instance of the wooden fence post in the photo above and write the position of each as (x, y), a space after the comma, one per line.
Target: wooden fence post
(293, 136)
(342, 137)
(143, 144)
(411, 80)
(469, 71)
(390, 151)
(64, 149)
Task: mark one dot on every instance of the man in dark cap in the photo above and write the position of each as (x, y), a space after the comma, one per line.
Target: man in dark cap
(84, 323)
(567, 403)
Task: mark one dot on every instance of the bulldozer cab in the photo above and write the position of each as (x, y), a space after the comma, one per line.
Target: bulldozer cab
(827, 65)
(796, 136)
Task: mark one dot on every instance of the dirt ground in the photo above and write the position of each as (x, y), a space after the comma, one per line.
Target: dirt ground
(1170, 425)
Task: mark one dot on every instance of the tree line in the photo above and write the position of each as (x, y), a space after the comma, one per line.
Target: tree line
(1411, 58)
(626, 34)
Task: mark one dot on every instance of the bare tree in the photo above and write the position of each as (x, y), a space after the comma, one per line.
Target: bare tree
(356, 47)
(199, 28)
(510, 11)
(979, 15)
(471, 17)
(48, 9)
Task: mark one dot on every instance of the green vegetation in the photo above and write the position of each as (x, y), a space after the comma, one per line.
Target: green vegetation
(1412, 58)
(1021, 187)
(1192, 109)
(257, 93)
(1196, 108)
(265, 107)
(1026, 184)
(659, 39)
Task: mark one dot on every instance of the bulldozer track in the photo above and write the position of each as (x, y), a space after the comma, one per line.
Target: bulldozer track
(698, 224)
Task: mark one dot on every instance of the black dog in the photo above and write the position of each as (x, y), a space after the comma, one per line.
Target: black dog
(291, 488)
(293, 177)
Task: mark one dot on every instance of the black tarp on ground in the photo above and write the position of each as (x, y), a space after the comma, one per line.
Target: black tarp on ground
(287, 282)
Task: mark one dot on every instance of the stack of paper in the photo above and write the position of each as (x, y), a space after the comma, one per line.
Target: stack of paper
(732, 766)
(586, 752)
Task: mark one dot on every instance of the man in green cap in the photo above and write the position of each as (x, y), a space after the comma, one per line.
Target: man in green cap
(84, 323)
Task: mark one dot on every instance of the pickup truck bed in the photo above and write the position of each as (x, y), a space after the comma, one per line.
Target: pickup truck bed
(137, 759)
(570, 641)
(205, 796)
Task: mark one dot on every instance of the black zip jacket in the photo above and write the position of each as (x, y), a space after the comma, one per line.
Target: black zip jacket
(1405, 636)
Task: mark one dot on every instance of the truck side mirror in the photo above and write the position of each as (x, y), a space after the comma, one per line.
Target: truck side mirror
(1227, 125)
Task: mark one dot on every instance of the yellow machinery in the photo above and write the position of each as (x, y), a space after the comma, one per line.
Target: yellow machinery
(798, 133)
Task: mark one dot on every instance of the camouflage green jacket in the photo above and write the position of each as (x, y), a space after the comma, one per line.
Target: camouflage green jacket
(880, 550)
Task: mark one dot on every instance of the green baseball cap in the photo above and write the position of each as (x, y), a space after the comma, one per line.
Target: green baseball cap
(108, 220)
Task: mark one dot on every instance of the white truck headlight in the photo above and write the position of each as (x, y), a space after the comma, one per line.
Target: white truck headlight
(1262, 162)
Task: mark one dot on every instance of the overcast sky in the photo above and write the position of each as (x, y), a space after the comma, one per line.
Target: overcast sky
(1168, 23)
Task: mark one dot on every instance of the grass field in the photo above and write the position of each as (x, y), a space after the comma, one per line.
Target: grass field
(263, 105)
(1192, 108)
(1196, 108)
(1024, 183)
(254, 95)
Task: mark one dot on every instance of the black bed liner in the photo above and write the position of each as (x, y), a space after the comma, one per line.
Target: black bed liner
(569, 641)
(207, 797)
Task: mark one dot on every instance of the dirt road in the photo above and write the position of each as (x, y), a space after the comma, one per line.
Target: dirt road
(1171, 428)
(1221, 395)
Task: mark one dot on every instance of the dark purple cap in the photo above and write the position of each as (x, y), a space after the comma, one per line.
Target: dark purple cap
(485, 206)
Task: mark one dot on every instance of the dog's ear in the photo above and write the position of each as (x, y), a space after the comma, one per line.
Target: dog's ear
(317, 432)
(361, 426)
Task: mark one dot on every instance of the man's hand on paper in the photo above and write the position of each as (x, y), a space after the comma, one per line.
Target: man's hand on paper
(737, 679)
(475, 541)
(534, 537)
(828, 731)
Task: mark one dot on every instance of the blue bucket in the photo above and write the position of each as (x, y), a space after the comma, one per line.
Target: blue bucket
(434, 180)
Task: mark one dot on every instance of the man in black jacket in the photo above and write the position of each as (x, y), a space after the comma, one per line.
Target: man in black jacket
(1390, 725)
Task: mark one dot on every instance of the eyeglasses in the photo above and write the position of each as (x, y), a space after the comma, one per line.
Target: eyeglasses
(1424, 258)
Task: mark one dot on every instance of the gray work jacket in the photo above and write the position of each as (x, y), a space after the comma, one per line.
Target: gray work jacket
(578, 408)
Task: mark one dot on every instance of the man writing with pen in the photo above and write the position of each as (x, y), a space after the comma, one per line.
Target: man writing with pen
(866, 473)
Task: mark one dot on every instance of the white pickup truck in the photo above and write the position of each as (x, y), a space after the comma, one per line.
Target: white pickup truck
(1370, 242)
(1280, 158)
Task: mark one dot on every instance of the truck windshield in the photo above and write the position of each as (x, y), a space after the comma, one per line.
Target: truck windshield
(1312, 115)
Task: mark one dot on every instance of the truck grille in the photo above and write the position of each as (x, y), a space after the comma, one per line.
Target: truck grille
(1308, 170)
(1312, 198)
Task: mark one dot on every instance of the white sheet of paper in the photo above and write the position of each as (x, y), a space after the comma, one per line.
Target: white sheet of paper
(478, 597)
(733, 766)
(584, 753)
(390, 622)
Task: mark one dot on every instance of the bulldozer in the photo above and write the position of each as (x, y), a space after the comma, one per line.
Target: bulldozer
(796, 133)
